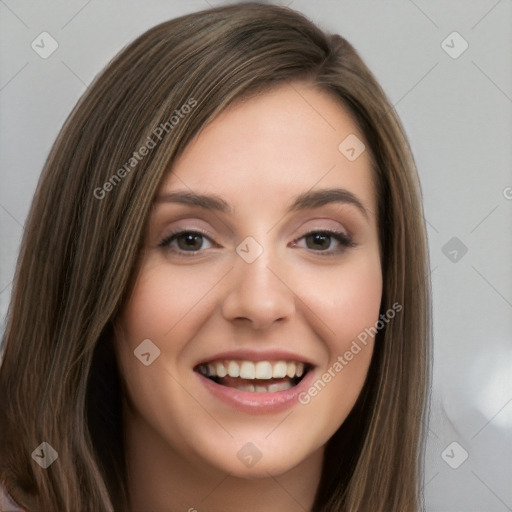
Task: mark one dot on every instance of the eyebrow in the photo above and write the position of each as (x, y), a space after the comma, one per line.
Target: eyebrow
(310, 199)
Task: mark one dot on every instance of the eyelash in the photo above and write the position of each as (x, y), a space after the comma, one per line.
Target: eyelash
(344, 240)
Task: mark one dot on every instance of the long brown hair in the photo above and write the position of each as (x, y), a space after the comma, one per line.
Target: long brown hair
(59, 381)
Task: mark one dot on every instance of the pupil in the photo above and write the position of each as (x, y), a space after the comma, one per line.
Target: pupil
(321, 240)
(191, 241)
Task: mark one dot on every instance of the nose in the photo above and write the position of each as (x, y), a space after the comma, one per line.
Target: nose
(258, 293)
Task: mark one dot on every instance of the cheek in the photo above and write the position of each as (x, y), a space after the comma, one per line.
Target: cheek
(167, 306)
(348, 310)
(346, 298)
(358, 299)
(155, 311)
(162, 302)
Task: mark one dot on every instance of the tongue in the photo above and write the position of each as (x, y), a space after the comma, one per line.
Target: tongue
(233, 382)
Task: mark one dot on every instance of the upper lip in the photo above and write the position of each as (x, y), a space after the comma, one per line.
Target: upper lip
(256, 355)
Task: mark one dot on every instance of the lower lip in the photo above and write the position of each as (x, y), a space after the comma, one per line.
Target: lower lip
(254, 402)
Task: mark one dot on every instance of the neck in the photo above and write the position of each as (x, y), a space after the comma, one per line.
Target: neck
(161, 480)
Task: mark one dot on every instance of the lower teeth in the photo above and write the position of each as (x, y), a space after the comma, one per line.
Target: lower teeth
(271, 388)
(257, 386)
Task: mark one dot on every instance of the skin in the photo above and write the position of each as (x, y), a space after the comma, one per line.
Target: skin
(257, 155)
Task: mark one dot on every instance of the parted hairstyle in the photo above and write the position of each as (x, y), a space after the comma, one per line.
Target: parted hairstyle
(82, 243)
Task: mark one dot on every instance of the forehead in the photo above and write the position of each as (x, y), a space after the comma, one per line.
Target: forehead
(277, 144)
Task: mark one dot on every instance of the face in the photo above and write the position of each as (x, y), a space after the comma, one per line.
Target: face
(239, 345)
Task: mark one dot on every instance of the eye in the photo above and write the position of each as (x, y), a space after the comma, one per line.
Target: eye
(188, 243)
(323, 241)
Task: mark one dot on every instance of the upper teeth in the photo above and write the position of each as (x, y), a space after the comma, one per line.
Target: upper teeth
(252, 370)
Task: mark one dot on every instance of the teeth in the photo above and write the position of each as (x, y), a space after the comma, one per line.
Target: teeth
(247, 370)
(248, 387)
(281, 386)
(272, 388)
(262, 370)
(233, 369)
(220, 370)
(279, 370)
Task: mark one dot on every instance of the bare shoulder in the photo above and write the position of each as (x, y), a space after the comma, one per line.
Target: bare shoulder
(6, 502)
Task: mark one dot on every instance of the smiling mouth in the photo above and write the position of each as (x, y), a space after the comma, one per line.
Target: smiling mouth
(255, 377)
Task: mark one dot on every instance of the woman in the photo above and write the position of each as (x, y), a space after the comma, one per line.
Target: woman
(226, 263)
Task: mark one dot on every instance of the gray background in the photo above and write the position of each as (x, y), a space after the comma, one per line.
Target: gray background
(458, 115)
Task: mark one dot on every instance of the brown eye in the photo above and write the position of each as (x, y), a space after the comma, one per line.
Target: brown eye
(323, 241)
(189, 242)
(318, 241)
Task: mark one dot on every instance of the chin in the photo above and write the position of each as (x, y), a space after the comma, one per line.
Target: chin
(246, 459)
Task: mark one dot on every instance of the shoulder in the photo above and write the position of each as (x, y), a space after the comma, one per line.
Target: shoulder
(6, 502)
